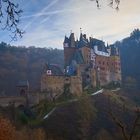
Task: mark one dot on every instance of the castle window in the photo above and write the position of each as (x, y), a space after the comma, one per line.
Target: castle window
(67, 79)
(102, 68)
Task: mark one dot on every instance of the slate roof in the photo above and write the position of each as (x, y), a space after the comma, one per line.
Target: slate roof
(23, 83)
(114, 50)
(78, 57)
(55, 69)
(83, 41)
(66, 40)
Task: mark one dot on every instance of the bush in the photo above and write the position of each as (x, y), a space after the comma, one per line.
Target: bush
(7, 130)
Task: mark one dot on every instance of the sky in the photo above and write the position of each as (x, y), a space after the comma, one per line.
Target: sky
(46, 22)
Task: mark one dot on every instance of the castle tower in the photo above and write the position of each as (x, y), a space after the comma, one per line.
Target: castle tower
(69, 49)
(115, 64)
(23, 88)
(72, 40)
(66, 42)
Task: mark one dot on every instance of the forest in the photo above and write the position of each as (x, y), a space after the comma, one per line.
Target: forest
(21, 63)
(130, 56)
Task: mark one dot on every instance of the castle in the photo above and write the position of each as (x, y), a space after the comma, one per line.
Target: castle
(87, 63)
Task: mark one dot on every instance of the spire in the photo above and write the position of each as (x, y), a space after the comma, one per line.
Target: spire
(80, 30)
(84, 35)
(66, 42)
(81, 35)
(72, 40)
(107, 45)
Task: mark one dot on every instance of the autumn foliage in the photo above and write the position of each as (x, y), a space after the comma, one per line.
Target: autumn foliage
(7, 130)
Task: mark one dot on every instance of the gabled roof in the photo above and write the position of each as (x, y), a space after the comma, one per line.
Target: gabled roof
(114, 50)
(96, 42)
(78, 57)
(83, 41)
(55, 69)
(66, 40)
(103, 49)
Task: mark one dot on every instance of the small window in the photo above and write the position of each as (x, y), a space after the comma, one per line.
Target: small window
(67, 79)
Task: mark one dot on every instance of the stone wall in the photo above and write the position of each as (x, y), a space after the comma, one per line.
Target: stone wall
(93, 78)
(103, 69)
(76, 85)
(115, 68)
(68, 53)
(109, 69)
(53, 85)
(86, 54)
(7, 100)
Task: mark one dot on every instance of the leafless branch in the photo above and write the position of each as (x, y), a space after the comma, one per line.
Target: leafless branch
(112, 3)
(10, 18)
(135, 124)
(122, 126)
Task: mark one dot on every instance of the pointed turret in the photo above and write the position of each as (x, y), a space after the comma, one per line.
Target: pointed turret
(81, 37)
(83, 40)
(72, 40)
(84, 35)
(66, 42)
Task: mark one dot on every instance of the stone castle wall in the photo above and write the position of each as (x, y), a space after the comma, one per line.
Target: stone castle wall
(103, 69)
(109, 69)
(76, 85)
(54, 85)
(7, 100)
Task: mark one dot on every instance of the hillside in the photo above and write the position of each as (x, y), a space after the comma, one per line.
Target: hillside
(20, 63)
(130, 56)
(105, 116)
(92, 118)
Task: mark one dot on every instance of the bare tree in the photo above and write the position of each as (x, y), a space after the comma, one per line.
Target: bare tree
(121, 124)
(112, 3)
(10, 17)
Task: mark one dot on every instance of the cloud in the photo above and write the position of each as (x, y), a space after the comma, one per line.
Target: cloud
(39, 13)
(106, 21)
(50, 24)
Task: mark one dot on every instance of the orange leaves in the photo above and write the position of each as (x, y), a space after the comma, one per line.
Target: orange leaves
(7, 130)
